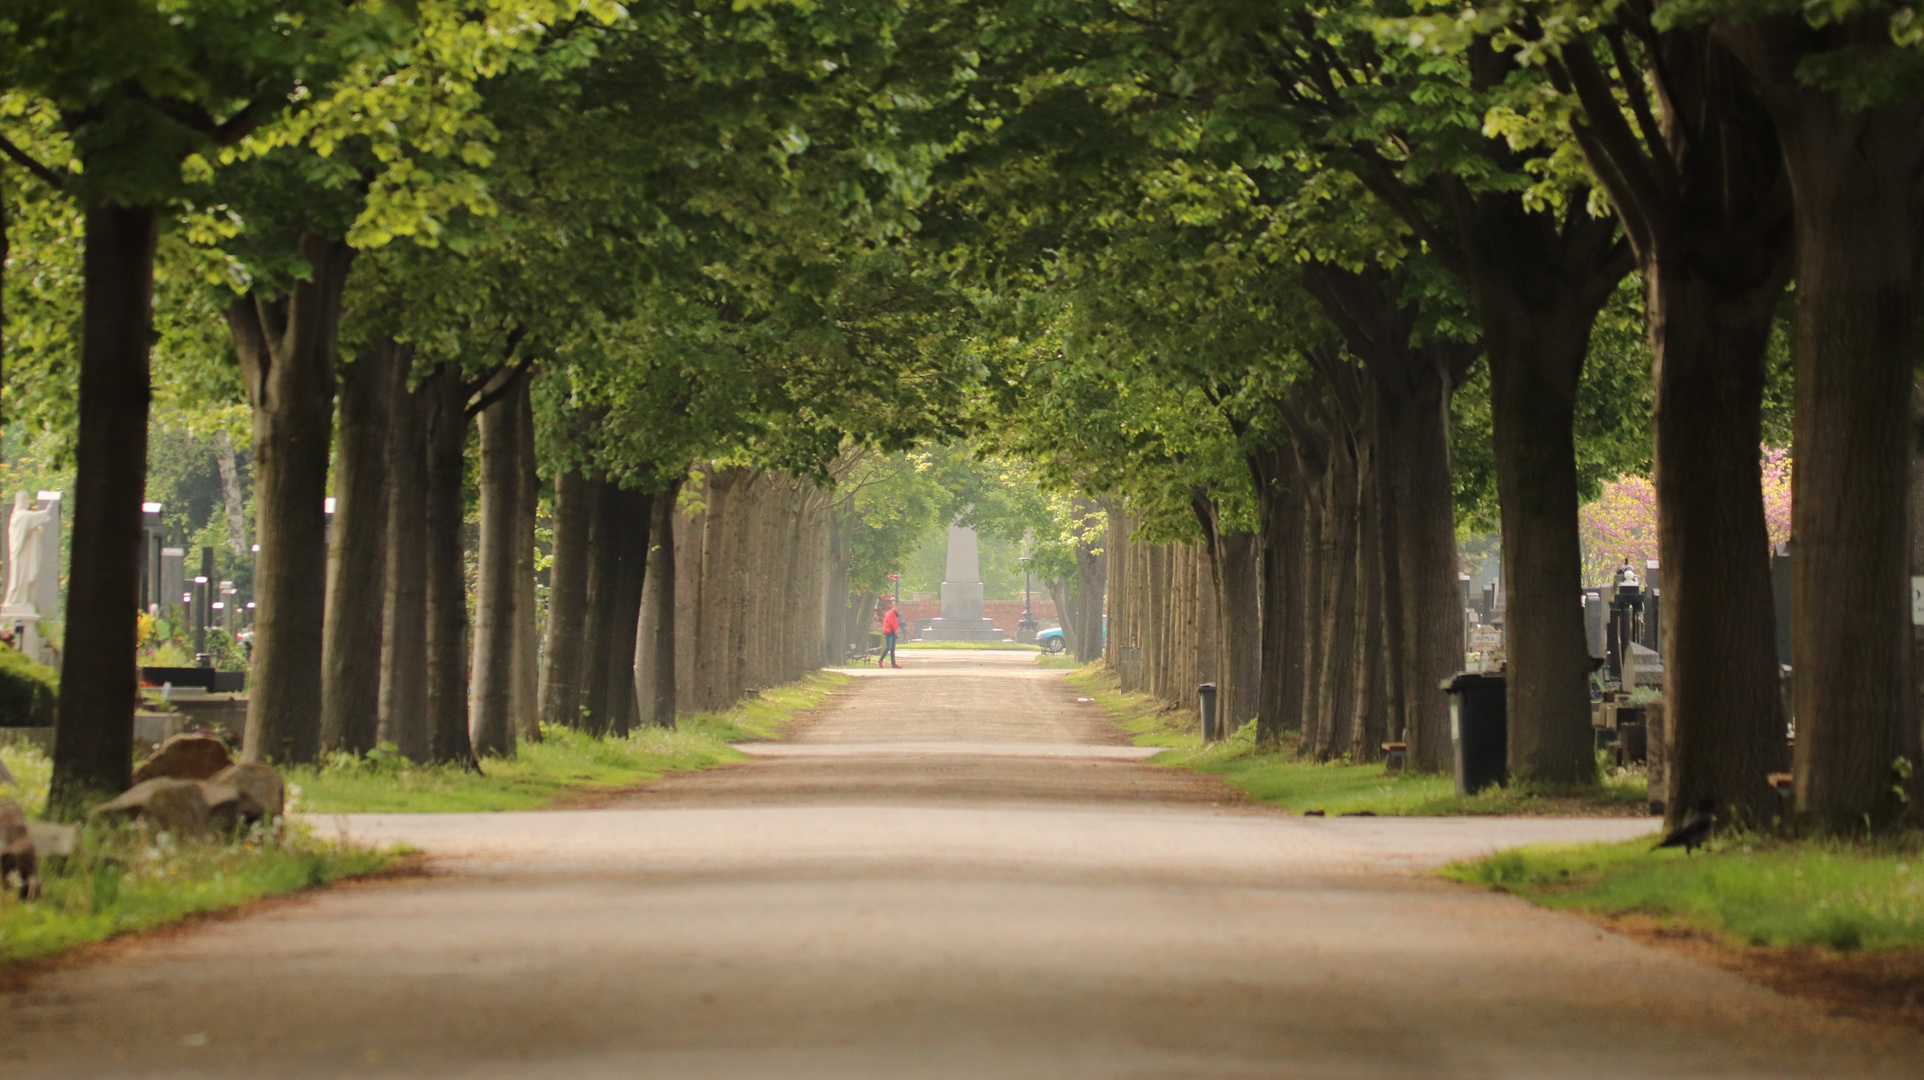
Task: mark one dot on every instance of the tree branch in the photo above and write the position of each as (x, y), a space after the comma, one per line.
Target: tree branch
(27, 161)
(509, 376)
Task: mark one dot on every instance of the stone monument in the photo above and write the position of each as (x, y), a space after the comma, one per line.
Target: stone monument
(962, 594)
(33, 572)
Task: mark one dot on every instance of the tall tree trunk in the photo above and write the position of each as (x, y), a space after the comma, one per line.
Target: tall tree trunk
(1534, 406)
(1708, 210)
(1336, 683)
(1857, 178)
(1386, 719)
(1375, 649)
(1432, 609)
(404, 610)
(575, 497)
(98, 681)
(637, 515)
(491, 694)
(1858, 210)
(1722, 688)
(447, 602)
(1278, 500)
(1239, 604)
(604, 568)
(836, 632)
(1917, 537)
(1092, 579)
(357, 556)
(1410, 386)
(527, 631)
(657, 694)
(1062, 594)
(286, 347)
(691, 556)
(1537, 279)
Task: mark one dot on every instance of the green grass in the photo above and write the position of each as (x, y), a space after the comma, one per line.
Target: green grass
(1276, 775)
(1010, 645)
(562, 763)
(1838, 894)
(1057, 660)
(121, 882)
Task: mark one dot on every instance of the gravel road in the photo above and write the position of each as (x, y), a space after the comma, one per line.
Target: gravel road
(951, 870)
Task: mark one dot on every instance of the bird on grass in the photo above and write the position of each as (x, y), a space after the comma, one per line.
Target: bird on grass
(1692, 834)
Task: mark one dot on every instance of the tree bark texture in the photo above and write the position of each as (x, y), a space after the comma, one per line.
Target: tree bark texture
(1537, 279)
(527, 630)
(1410, 386)
(1707, 209)
(1533, 402)
(1279, 504)
(1092, 584)
(287, 348)
(97, 673)
(404, 612)
(637, 516)
(750, 565)
(1857, 180)
(491, 728)
(574, 505)
(604, 566)
(357, 554)
(656, 690)
(446, 594)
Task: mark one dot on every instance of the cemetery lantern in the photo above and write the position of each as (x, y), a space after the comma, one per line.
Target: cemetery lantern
(1025, 630)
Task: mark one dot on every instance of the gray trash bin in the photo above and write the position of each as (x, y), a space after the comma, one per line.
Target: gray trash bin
(1206, 694)
(1479, 730)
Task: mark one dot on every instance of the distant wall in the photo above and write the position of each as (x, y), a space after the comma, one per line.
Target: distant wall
(1006, 613)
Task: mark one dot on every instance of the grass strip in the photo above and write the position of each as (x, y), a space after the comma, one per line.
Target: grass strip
(1838, 894)
(1278, 776)
(121, 881)
(564, 762)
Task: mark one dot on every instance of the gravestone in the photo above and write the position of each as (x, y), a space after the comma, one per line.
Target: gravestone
(1596, 617)
(173, 582)
(962, 594)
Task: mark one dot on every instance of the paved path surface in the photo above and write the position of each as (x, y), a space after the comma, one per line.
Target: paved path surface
(953, 871)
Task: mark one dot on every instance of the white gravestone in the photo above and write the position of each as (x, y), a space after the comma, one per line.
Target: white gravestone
(33, 571)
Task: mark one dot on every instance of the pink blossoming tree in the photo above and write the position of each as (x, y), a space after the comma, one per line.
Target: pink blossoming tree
(1620, 525)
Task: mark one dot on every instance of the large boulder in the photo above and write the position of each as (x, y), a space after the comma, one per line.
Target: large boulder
(163, 805)
(263, 794)
(17, 858)
(185, 757)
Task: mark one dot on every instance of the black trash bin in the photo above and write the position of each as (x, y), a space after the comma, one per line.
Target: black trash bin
(1206, 693)
(1479, 730)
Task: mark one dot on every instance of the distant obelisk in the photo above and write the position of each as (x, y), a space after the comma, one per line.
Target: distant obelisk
(962, 594)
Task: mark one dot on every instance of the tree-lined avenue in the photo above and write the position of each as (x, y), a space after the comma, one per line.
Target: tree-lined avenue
(954, 869)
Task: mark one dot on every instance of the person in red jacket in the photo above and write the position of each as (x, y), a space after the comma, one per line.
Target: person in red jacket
(891, 628)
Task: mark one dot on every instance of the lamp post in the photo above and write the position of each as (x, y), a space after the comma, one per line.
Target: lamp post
(1026, 628)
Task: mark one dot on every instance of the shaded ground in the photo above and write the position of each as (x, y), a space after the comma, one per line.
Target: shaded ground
(952, 871)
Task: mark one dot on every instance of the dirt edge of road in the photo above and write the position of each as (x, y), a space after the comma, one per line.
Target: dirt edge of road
(16, 976)
(1886, 986)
